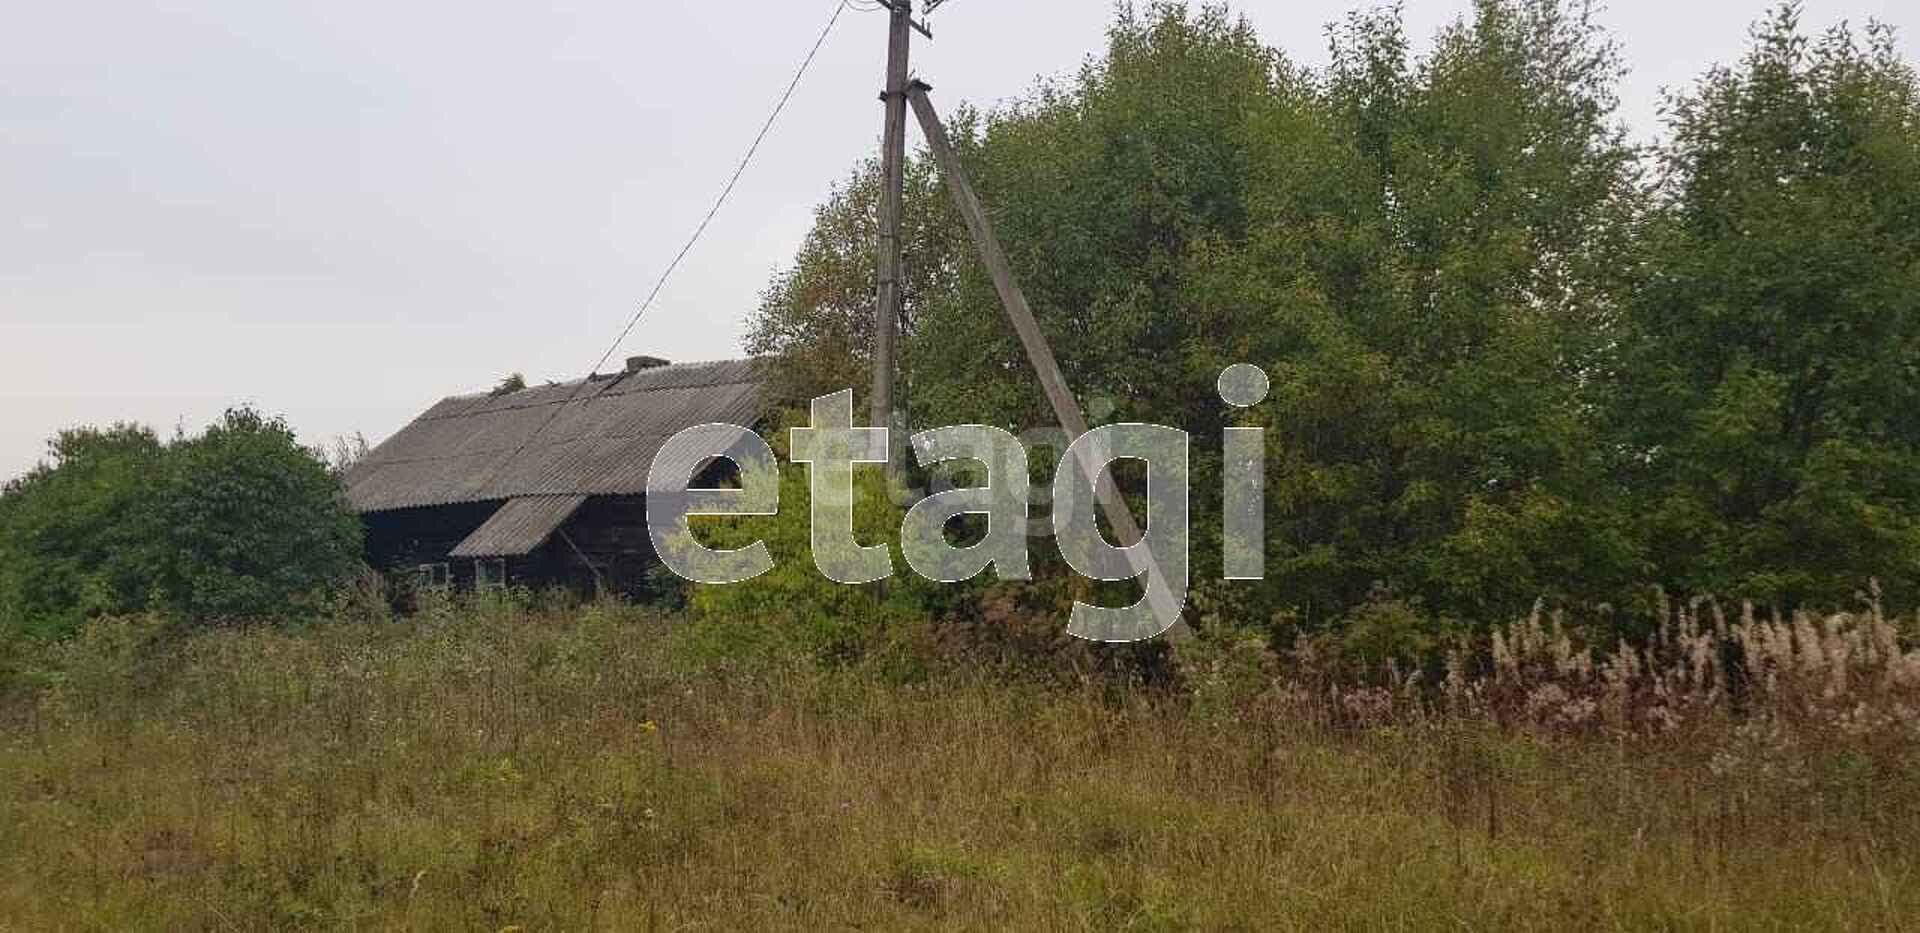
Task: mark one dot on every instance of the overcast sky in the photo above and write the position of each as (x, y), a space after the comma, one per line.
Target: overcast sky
(343, 211)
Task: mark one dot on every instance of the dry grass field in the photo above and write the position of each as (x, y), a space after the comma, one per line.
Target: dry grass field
(505, 769)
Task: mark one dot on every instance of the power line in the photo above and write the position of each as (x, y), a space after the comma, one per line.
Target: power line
(839, 7)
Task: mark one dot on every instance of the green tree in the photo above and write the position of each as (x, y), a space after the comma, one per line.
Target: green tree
(1109, 191)
(1433, 248)
(252, 525)
(1504, 366)
(1421, 252)
(237, 523)
(1769, 380)
(1106, 191)
(816, 318)
(68, 530)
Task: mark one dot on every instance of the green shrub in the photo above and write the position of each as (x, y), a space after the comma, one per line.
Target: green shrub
(794, 610)
(69, 544)
(239, 522)
(1387, 631)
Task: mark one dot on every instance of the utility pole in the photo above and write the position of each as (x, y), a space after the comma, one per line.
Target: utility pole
(893, 160)
(900, 91)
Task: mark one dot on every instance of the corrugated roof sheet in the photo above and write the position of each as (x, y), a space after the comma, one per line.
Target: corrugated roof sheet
(519, 526)
(587, 437)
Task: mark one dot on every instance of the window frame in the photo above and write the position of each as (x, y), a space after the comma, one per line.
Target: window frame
(482, 580)
(434, 575)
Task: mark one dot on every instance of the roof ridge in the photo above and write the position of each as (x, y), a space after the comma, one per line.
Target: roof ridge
(603, 377)
(478, 447)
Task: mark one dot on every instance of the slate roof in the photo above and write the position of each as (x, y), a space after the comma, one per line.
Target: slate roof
(590, 437)
(519, 527)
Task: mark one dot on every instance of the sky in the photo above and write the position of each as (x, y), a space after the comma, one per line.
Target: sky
(340, 212)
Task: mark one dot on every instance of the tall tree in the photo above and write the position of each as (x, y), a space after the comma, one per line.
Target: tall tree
(1770, 385)
(1421, 253)
(244, 524)
(815, 320)
(1428, 277)
(1105, 190)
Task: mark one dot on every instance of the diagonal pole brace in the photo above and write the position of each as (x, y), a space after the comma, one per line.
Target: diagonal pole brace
(1053, 382)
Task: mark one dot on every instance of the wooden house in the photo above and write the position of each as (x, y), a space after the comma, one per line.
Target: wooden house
(542, 486)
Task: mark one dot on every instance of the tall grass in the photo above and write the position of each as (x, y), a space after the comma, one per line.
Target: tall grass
(497, 766)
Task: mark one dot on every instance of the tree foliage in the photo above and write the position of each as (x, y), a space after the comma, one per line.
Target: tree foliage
(1430, 248)
(69, 530)
(816, 318)
(1512, 354)
(1775, 342)
(793, 609)
(239, 522)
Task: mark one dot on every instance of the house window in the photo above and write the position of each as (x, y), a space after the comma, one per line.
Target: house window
(434, 576)
(490, 574)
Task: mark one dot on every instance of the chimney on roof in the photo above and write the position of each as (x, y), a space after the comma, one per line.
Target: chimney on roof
(638, 363)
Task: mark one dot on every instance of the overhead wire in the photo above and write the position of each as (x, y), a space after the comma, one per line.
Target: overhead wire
(840, 7)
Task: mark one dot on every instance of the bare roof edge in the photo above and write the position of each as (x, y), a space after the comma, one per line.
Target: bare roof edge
(552, 440)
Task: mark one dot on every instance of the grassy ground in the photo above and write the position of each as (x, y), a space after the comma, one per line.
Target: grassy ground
(568, 773)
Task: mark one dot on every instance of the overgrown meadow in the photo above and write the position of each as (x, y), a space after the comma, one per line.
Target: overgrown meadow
(498, 764)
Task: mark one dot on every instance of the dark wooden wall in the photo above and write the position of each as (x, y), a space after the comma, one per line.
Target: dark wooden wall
(399, 541)
(604, 544)
(610, 534)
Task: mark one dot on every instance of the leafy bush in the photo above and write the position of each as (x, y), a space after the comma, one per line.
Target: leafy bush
(239, 522)
(794, 609)
(69, 530)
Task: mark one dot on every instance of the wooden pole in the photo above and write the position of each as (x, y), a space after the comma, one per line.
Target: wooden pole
(1053, 382)
(893, 158)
